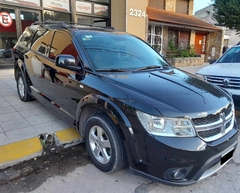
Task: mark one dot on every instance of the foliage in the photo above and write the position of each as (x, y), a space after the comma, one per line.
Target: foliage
(192, 52)
(174, 52)
(156, 47)
(171, 46)
(184, 53)
(172, 49)
(226, 13)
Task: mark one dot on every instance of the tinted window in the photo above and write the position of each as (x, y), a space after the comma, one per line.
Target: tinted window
(26, 38)
(42, 40)
(62, 44)
(232, 55)
(118, 51)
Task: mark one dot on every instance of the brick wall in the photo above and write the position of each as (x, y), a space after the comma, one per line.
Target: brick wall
(159, 4)
(182, 6)
(180, 38)
(184, 39)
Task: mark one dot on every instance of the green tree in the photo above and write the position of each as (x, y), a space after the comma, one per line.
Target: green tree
(226, 13)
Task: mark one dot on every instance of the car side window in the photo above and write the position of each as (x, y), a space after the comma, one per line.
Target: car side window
(62, 44)
(25, 40)
(41, 45)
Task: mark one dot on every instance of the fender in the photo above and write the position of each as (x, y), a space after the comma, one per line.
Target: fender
(104, 103)
(117, 117)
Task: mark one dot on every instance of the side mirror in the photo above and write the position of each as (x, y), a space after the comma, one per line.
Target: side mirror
(68, 62)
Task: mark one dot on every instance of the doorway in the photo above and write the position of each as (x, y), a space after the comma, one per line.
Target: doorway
(13, 21)
(200, 43)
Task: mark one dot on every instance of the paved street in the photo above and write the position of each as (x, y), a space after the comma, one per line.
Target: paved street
(86, 178)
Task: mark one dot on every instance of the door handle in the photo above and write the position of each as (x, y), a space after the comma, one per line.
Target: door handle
(26, 56)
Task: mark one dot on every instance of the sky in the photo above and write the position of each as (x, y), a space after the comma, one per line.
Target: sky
(199, 4)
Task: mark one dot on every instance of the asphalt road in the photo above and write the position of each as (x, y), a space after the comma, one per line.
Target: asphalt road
(71, 171)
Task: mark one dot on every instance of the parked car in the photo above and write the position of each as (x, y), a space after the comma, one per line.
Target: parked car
(1, 52)
(130, 106)
(6, 57)
(225, 73)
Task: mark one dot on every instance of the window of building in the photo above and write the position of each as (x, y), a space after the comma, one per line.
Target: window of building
(8, 35)
(103, 1)
(172, 40)
(179, 39)
(155, 36)
(56, 16)
(27, 18)
(95, 13)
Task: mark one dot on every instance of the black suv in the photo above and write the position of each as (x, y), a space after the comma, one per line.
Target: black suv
(129, 105)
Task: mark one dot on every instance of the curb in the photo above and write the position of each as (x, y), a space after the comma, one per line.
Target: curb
(24, 150)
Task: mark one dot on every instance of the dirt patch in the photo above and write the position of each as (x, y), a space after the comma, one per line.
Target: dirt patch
(29, 175)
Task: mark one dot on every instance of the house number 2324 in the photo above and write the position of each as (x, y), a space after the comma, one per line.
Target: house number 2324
(137, 13)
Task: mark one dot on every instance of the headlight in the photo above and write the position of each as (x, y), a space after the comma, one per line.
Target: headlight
(168, 127)
(203, 77)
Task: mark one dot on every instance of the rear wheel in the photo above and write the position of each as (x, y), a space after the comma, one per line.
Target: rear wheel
(22, 88)
(104, 144)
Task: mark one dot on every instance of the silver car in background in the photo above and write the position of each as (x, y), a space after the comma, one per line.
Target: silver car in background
(225, 73)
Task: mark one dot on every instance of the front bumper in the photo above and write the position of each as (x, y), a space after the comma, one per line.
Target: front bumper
(159, 157)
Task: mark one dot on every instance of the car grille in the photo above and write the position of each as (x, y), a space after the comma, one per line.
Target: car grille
(225, 82)
(213, 127)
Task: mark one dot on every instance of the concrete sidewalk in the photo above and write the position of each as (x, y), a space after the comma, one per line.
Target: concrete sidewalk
(193, 69)
(24, 127)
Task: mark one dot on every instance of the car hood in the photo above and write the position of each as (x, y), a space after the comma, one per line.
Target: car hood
(172, 92)
(221, 69)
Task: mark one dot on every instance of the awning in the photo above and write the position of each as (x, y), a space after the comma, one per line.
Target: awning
(179, 20)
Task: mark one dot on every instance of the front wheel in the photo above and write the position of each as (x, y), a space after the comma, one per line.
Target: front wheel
(104, 144)
(22, 88)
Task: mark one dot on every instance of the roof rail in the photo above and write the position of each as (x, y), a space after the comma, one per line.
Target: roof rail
(60, 23)
(64, 24)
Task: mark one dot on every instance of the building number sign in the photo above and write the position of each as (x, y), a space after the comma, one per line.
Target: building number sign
(137, 13)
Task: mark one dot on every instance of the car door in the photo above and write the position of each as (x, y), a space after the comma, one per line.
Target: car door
(37, 57)
(59, 83)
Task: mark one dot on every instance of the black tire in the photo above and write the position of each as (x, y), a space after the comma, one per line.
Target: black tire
(22, 88)
(104, 144)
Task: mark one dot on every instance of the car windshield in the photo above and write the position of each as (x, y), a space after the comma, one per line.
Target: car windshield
(232, 55)
(110, 51)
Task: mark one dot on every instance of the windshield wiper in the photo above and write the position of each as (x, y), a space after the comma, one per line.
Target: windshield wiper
(112, 70)
(150, 67)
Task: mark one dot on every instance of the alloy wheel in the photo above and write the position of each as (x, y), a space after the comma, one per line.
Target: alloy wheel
(100, 144)
(21, 87)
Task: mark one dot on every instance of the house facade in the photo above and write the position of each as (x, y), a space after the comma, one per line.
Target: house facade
(230, 36)
(156, 21)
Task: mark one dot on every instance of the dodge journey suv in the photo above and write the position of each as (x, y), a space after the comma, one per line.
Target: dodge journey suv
(130, 106)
